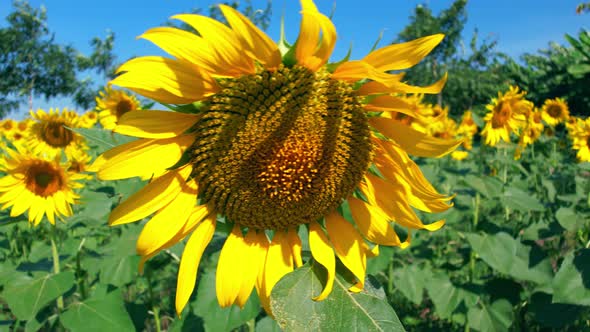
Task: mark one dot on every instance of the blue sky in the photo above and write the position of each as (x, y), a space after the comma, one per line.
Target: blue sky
(519, 25)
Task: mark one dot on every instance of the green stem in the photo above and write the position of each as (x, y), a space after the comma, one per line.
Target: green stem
(56, 270)
(251, 325)
(80, 274)
(155, 308)
(505, 180)
(472, 256)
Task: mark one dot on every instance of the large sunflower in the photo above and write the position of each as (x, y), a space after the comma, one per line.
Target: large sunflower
(112, 104)
(279, 145)
(49, 134)
(555, 111)
(507, 114)
(580, 135)
(41, 185)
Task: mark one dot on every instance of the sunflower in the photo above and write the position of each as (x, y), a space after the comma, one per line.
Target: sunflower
(581, 139)
(507, 114)
(7, 126)
(555, 111)
(278, 145)
(89, 119)
(49, 133)
(112, 104)
(38, 184)
(459, 155)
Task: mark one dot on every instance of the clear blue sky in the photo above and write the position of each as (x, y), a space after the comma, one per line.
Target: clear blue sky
(519, 25)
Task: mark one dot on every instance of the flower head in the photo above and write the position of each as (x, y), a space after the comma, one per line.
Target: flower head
(555, 111)
(41, 185)
(49, 134)
(89, 119)
(112, 104)
(507, 114)
(580, 136)
(277, 143)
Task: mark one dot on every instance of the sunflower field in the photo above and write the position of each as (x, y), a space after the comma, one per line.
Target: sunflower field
(244, 184)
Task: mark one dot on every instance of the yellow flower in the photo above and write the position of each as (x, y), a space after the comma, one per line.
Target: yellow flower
(581, 139)
(533, 130)
(50, 135)
(40, 185)
(278, 144)
(88, 119)
(555, 111)
(7, 126)
(112, 104)
(459, 155)
(467, 127)
(507, 114)
(79, 162)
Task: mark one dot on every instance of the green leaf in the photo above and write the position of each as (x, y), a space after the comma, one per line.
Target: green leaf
(569, 219)
(509, 256)
(294, 309)
(267, 324)
(26, 296)
(216, 318)
(549, 314)
(494, 318)
(381, 262)
(578, 69)
(572, 282)
(445, 296)
(119, 271)
(517, 199)
(409, 280)
(106, 313)
(488, 186)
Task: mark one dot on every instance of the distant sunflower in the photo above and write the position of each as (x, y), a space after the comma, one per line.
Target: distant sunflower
(581, 139)
(279, 144)
(40, 185)
(507, 114)
(112, 104)
(459, 155)
(89, 119)
(555, 111)
(49, 134)
(7, 126)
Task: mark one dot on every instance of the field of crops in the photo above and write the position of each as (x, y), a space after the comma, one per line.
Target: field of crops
(245, 186)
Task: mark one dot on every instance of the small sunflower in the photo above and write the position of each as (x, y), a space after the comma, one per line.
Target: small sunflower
(89, 119)
(459, 155)
(580, 137)
(278, 144)
(507, 114)
(49, 133)
(555, 111)
(112, 104)
(40, 185)
(7, 126)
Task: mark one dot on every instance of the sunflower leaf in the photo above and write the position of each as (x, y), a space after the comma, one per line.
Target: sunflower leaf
(294, 309)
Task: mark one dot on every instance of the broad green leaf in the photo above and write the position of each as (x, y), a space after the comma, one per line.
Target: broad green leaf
(267, 324)
(294, 309)
(106, 313)
(572, 282)
(509, 256)
(216, 318)
(569, 219)
(187, 322)
(380, 263)
(119, 271)
(555, 315)
(517, 199)
(550, 187)
(494, 318)
(488, 186)
(579, 69)
(445, 296)
(26, 296)
(410, 281)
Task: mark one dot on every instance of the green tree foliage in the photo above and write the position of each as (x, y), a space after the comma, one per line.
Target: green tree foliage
(560, 71)
(475, 73)
(33, 65)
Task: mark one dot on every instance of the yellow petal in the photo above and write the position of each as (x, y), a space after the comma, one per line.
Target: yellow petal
(229, 268)
(295, 244)
(403, 55)
(166, 80)
(144, 158)
(373, 223)
(191, 257)
(353, 71)
(349, 246)
(155, 124)
(257, 247)
(150, 198)
(253, 39)
(22, 203)
(387, 103)
(322, 252)
(186, 46)
(167, 222)
(311, 52)
(413, 141)
(278, 263)
(223, 41)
